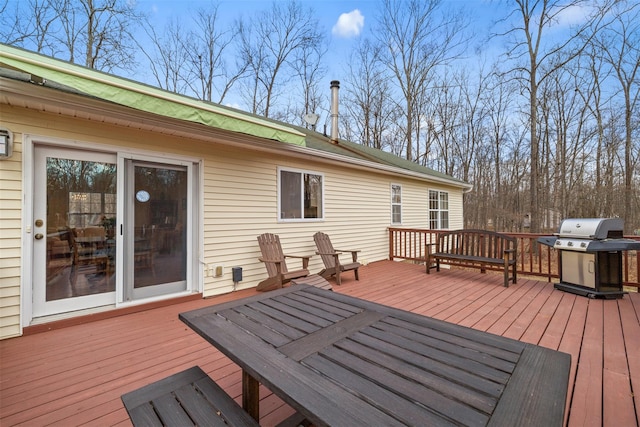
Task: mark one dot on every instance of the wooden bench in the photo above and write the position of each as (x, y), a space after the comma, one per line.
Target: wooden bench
(474, 248)
(187, 398)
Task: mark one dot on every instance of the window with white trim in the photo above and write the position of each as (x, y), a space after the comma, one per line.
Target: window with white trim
(301, 195)
(396, 204)
(438, 210)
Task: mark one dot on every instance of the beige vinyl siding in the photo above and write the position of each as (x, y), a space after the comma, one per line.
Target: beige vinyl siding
(239, 189)
(241, 203)
(456, 220)
(10, 242)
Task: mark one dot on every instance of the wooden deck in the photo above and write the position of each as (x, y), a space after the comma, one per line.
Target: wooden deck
(75, 375)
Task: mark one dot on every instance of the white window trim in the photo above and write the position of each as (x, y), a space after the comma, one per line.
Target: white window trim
(301, 171)
(439, 210)
(396, 204)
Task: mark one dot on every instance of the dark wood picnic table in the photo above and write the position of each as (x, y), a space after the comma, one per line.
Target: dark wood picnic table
(343, 361)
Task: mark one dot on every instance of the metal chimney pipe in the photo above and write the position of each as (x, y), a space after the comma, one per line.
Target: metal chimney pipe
(335, 86)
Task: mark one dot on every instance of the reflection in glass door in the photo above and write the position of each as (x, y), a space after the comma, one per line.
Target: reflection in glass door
(74, 242)
(156, 229)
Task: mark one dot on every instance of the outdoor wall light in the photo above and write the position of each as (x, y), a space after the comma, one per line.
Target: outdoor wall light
(6, 143)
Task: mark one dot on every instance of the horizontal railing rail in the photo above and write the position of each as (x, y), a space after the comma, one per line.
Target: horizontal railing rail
(534, 258)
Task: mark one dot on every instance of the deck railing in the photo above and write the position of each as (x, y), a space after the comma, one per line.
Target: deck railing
(534, 259)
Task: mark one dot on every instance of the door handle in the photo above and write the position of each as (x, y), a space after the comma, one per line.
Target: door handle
(39, 236)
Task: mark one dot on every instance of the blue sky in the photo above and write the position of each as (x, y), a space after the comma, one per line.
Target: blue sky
(343, 21)
(346, 21)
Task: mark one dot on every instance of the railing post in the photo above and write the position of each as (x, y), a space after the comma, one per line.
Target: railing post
(391, 245)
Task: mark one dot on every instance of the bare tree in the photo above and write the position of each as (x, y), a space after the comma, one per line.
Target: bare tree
(99, 31)
(269, 43)
(619, 44)
(419, 36)
(167, 57)
(444, 125)
(94, 33)
(538, 60)
(499, 100)
(207, 46)
(31, 24)
(309, 69)
(368, 99)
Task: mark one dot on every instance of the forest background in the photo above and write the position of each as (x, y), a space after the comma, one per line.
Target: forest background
(538, 109)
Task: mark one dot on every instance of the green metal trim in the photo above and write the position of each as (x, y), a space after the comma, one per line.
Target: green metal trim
(145, 98)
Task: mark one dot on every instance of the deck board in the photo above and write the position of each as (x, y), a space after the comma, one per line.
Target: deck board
(586, 406)
(629, 315)
(617, 405)
(75, 375)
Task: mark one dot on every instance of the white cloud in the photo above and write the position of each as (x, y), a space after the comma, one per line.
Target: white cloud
(574, 15)
(349, 24)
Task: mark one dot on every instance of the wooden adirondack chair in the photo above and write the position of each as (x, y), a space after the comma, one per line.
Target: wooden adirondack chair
(331, 258)
(274, 260)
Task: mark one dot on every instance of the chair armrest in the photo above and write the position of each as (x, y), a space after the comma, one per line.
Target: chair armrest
(304, 258)
(510, 251)
(328, 253)
(354, 254)
(298, 256)
(430, 246)
(275, 261)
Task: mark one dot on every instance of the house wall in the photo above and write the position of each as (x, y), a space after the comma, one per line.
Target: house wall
(10, 236)
(239, 202)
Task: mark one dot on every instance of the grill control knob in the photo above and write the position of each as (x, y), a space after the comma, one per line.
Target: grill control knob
(570, 244)
(583, 245)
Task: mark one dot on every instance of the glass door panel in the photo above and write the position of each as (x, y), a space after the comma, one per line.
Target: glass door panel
(157, 233)
(74, 219)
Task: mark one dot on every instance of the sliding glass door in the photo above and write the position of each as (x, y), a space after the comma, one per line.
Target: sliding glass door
(109, 229)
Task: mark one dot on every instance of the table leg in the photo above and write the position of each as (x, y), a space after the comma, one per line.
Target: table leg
(251, 395)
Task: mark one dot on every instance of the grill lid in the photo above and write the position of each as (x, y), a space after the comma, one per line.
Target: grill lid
(591, 235)
(592, 228)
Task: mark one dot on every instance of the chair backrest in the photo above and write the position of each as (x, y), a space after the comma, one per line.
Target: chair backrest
(323, 243)
(272, 250)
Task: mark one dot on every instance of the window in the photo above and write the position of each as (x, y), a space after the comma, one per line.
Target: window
(301, 195)
(396, 204)
(87, 209)
(438, 210)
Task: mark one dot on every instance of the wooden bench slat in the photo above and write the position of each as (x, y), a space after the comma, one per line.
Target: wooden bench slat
(187, 398)
(230, 410)
(170, 411)
(199, 409)
(471, 258)
(145, 415)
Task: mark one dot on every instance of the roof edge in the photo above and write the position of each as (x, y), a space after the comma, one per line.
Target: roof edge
(144, 97)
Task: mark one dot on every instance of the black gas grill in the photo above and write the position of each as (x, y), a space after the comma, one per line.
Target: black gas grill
(591, 256)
